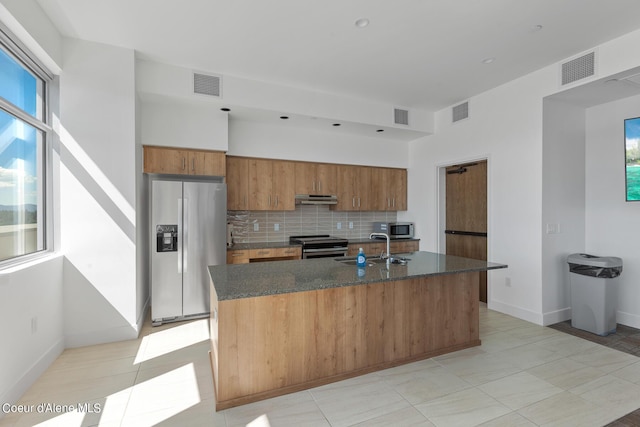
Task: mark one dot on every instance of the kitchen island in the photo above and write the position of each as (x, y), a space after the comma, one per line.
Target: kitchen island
(285, 326)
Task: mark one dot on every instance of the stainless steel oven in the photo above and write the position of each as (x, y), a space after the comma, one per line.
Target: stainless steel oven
(321, 246)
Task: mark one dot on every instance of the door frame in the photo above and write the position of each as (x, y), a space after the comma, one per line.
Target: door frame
(441, 174)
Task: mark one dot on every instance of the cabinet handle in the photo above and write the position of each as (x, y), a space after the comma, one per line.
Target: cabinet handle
(184, 163)
(353, 202)
(314, 186)
(277, 200)
(358, 201)
(394, 202)
(245, 200)
(237, 254)
(319, 185)
(388, 202)
(193, 165)
(269, 200)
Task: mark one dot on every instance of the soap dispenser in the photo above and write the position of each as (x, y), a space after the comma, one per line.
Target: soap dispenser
(361, 260)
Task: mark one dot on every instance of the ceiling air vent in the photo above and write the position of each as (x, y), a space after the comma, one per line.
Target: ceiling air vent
(400, 117)
(579, 68)
(206, 84)
(460, 112)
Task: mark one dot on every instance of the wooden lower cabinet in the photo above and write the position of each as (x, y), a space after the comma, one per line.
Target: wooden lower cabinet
(375, 248)
(245, 256)
(238, 256)
(276, 344)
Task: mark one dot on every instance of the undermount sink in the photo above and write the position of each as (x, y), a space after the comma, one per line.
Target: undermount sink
(373, 261)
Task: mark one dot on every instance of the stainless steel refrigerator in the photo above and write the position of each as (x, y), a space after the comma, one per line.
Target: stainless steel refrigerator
(188, 233)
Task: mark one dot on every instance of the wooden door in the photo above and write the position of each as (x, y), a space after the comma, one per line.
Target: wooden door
(466, 216)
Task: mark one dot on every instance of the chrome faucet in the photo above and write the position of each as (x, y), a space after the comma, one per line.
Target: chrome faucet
(386, 236)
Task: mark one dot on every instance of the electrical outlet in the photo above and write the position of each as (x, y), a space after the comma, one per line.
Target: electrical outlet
(350, 224)
(256, 226)
(339, 225)
(507, 282)
(276, 227)
(553, 228)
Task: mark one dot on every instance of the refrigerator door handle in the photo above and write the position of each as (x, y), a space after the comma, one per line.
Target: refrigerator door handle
(180, 235)
(185, 234)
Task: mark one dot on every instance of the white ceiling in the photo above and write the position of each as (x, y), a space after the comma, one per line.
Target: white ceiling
(415, 53)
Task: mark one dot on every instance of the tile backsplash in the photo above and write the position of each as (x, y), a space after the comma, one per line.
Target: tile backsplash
(277, 226)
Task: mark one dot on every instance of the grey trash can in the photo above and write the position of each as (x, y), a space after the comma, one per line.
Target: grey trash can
(594, 292)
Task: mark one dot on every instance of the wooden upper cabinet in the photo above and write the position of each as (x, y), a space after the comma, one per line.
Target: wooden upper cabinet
(315, 178)
(183, 161)
(271, 185)
(392, 189)
(354, 188)
(237, 183)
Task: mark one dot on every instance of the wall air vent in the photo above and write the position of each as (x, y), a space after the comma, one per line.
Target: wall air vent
(400, 117)
(579, 68)
(206, 84)
(460, 112)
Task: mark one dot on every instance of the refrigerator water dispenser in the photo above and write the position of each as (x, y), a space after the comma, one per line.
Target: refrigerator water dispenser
(166, 238)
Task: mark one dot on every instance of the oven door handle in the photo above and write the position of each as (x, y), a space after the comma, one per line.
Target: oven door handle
(321, 250)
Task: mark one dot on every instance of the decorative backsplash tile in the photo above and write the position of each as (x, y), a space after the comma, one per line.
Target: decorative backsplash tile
(277, 226)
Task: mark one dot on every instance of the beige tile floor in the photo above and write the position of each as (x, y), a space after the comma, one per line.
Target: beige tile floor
(522, 375)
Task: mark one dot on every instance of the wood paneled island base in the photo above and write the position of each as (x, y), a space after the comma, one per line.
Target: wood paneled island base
(271, 345)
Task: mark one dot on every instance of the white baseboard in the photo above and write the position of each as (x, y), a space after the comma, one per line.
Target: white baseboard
(557, 316)
(15, 392)
(121, 333)
(628, 319)
(519, 312)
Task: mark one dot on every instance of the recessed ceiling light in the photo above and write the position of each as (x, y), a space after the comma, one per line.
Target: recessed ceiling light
(362, 22)
(488, 60)
(536, 28)
(336, 124)
(380, 130)
(225, 109)
(284, 117)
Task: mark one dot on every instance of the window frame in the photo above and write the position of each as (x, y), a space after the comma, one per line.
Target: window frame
(12, 46)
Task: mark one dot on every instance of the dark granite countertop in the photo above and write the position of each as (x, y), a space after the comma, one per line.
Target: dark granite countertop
(234, 281)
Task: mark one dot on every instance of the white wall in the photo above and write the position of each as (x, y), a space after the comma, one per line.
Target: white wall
(98, 193)
(256, 139)
(177, 82)
(563, 203)
(611, 223)
(32, 326)
(505, 127)
(175, 122)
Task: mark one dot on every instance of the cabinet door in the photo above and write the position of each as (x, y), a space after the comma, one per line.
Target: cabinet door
(379, 197)
(397, 184)
(260, 177)
(347, 179)
(237, 183)
(165, 160)
(365, 198)
(282, 185)
(238, 257)
(208, 163)
(326, 179)
(306, 182)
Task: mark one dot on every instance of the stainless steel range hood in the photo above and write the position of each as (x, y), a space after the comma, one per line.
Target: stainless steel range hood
(312, 199)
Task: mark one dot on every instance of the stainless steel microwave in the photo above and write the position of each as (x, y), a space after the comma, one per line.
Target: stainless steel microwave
(395, 230)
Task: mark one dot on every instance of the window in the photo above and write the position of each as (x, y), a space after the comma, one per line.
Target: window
(23, 138)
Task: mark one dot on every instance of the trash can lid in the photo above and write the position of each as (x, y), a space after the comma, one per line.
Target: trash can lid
(595, 261)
